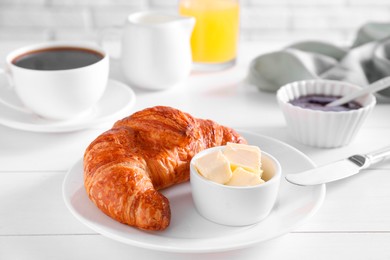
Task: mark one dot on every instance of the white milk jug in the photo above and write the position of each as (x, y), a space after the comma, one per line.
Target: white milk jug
(156, 50)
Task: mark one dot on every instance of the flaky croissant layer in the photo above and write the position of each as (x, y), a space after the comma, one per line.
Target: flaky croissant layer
(150, 150)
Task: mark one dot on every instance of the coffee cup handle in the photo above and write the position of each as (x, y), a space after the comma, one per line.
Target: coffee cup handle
(7, 74)
(116, 31)
(10, 88)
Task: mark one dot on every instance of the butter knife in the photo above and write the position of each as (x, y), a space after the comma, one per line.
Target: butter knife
(339, 169)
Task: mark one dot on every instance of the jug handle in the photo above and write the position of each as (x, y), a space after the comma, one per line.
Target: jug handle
(114, 33)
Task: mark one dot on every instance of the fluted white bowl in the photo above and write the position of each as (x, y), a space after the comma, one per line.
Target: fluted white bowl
(324, 129)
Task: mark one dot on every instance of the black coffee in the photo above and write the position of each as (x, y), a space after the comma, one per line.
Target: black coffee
(58, 58)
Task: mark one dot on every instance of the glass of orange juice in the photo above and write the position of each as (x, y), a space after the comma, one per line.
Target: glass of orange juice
(215, 36)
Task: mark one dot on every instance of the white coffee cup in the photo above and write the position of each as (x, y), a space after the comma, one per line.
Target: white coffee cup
(155, 49)
(58, 94)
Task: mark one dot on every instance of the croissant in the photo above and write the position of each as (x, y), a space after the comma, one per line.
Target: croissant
(150, 150)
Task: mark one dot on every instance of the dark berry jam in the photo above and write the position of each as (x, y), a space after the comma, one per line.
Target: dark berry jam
(318, 102)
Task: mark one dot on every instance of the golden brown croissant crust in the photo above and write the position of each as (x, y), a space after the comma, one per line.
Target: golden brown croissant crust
(150, 150)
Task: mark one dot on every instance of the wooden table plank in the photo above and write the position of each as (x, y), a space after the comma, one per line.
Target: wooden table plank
(324, 246)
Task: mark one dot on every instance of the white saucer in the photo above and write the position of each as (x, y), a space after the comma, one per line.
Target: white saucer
(116, 103)
(189, 231)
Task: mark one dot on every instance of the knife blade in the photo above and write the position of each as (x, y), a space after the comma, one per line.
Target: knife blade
(339, 169)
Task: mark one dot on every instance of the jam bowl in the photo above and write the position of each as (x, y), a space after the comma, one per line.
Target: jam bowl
(312, 123)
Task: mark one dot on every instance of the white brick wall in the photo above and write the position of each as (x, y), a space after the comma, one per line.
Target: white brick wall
(264, 20)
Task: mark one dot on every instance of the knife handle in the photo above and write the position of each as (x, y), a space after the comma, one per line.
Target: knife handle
(379, 155)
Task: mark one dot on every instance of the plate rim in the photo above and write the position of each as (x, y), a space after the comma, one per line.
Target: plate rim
(173, 249)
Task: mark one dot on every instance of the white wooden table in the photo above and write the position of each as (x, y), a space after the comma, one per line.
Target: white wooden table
(353, 222)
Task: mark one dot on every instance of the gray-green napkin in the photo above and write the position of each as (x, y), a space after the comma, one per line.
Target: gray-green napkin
(367, 60)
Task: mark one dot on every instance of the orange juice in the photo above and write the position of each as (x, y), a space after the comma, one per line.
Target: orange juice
(215, 36)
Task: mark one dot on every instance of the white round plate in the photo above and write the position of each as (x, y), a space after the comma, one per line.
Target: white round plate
(116, 103)
(188, 231)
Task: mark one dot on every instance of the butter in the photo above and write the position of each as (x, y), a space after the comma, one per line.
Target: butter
(215, 167)
(244, 156)
(242, 177)
(236, 165)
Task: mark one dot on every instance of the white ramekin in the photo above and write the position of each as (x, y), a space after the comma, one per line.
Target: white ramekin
(233, 205)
